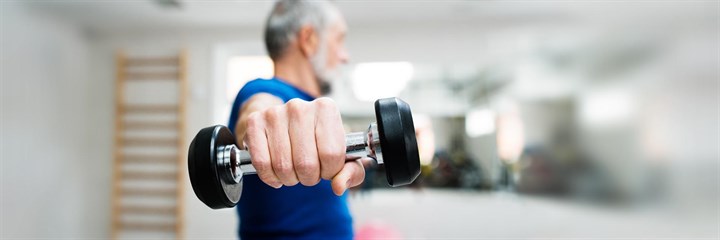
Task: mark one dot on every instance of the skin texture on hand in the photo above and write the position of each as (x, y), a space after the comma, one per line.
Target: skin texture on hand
(297, 142)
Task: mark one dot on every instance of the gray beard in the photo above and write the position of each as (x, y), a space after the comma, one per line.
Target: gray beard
(323, 77)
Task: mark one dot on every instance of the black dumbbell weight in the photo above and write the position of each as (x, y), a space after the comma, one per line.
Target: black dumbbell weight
(216, 165)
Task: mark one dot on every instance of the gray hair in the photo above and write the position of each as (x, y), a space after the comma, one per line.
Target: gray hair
(288, 16)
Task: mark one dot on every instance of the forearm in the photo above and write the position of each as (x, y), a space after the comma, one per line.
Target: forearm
(257, 102)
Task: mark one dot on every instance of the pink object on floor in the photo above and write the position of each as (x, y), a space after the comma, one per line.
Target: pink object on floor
(377, 230)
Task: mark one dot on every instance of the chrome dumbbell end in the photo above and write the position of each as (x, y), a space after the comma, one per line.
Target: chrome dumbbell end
(364, 144)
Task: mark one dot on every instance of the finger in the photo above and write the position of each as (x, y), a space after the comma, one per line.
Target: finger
(352, 174)
(279, 144)
(256, 141)
(330, 137)
(302, 138)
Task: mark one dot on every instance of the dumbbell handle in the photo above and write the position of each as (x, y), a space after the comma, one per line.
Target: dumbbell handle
(237, 162)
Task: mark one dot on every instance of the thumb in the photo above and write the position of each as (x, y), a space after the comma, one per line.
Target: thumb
(352, 174)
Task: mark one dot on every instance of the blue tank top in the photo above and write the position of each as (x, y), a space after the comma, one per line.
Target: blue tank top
(296, 212)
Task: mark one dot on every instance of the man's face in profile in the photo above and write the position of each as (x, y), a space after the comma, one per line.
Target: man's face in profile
(335, 39)
(332, 54)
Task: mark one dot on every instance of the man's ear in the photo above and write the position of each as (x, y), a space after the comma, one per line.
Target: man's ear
(308, 40)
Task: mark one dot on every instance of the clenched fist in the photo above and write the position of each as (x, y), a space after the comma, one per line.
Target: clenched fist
(298, 142)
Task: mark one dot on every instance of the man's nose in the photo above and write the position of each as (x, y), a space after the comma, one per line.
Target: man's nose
(344, 56)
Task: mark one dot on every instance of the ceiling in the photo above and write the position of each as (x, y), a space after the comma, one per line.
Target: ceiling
(153, 15)
(149, 14)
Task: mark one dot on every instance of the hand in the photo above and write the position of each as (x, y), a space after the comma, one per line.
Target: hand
(301, 142)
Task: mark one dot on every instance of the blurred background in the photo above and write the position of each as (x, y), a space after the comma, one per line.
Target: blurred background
(538, 119)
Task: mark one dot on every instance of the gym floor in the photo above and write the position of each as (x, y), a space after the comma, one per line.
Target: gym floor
(452, 214)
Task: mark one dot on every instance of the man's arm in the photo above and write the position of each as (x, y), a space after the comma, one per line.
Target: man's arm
(297, 142)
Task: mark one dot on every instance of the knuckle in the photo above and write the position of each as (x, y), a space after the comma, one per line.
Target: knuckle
(306, 166)
(308, 172)
(281, 167)
(269, 114)
(295, 102)
(273, 113)
(331, 154)
(260, 165)
(253, 120)
(296, 107)
(325, 104)
(257, 161)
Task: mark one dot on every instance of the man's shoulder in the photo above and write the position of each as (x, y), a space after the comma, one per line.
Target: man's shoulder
(259, 85)
(262, 82)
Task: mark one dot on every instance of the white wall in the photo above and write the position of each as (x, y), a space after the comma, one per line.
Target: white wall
(58, 118)
(55, 167)
(201, 221)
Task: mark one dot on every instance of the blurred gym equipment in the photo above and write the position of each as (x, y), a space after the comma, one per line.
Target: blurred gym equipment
(149, 130)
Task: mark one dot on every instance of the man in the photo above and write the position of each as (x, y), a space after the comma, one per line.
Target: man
(295, 138)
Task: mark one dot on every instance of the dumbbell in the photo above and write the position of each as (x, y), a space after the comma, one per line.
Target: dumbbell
(216, 164)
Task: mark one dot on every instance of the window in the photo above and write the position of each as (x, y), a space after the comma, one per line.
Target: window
(241, 69)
